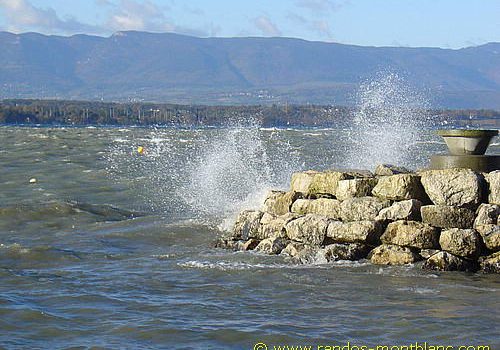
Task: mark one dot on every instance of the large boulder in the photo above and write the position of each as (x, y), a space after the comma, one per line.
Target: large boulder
(340, 251)
(490, 263)
(362, 208)
(358, 187)
(404, 210)
(272, 245)
(453, 187)
(465, 243)
(323, 206)
(247, 224)
(387, 254)
(279, 202)
(389, 169)
(487, 214)
(491, 236)
(355, 232)
(399, 187)
(309, 229)
(445, 261)
(411, 234)
(314, 183)
(445, 216)
(274, 226)
(493, 180)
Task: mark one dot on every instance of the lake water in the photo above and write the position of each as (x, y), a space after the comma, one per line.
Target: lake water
(113, 249)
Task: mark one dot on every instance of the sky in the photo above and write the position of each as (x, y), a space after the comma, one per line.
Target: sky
(414, 23)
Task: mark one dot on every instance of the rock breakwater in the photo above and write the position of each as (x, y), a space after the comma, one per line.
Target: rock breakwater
(447, 219)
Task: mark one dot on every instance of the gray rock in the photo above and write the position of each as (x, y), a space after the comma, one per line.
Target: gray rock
(339, 251)
(444, 261)
(389, 169)
(323, 206)
(247, 224)
(487, 214)
(491, 236)
(411, 234)
(228, 243)
(465, 243)
(355, 232)
(313, 183)
(404, 210)
(362, 208)
(272, 245)
(493, 180)
(447, 217)
(293, 249)
(387, 254)
(309, 229)
(251, 244)
(427, 253)
(490, 263)
(453, 187)
(358, 187)
(400, 187)
(279, 202)
(274, 226)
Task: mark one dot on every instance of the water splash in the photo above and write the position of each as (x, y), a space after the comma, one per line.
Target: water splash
(388, 123)
(234, 171)
(206, 175)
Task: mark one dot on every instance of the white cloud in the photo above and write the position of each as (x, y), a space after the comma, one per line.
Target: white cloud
(21, 15)
(136, 15)
(321, 6)
(266, 26)
(319, 26)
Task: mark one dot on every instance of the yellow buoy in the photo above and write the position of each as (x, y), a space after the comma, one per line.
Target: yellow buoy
(140, 150)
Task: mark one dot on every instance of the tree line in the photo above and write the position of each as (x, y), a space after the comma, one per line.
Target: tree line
(60, 112)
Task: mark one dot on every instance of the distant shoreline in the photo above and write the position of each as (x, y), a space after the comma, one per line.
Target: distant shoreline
(34, 112)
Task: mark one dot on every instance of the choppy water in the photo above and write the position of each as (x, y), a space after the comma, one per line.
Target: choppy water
(111, 249)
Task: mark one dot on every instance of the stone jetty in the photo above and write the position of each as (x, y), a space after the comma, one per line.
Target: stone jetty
(447, 219)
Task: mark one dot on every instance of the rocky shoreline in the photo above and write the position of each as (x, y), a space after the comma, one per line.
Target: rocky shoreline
(449, 219)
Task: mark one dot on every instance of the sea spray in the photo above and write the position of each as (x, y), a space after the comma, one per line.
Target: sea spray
(388, 123)
(234, 170)
(208, 175)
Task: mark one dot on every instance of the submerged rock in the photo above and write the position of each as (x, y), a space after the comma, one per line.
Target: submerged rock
(309, 229)
(465, 243)
(323, 206)
(411, 234)
(228, 243)
(247, 224)
(493, 180)
(359, 187)
(389, 169)
(491, 236)
(341, 251)
(400, 187)
(279, 202)
(404, 210)
(388, 254)
(445, 261)
(362, 208)
(487, 214)
(453, 187)
(490, 263)
(447, 216)
(355, 232)
(272, 245)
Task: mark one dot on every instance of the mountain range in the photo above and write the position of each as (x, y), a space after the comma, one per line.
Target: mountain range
(167, 67)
